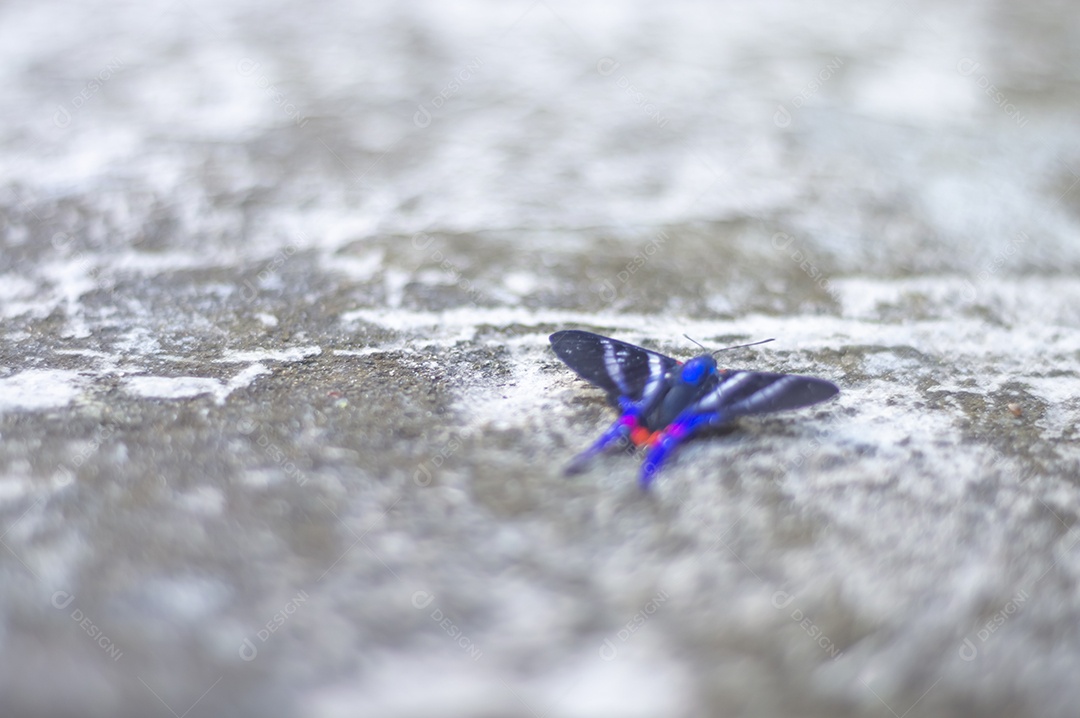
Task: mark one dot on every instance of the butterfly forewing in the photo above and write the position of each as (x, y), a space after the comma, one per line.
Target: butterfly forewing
(748, 392)
(620, 369)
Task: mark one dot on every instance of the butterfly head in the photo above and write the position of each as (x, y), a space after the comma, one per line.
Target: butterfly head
(697, 370)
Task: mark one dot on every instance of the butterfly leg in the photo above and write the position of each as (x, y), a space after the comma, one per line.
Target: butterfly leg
(617, 435)
(677, 432)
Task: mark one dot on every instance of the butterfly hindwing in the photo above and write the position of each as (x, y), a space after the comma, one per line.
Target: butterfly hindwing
(738, 393)
(622, 370)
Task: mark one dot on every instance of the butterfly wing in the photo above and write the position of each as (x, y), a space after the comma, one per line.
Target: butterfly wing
(738, 393)
(735, 393)
(622, 370)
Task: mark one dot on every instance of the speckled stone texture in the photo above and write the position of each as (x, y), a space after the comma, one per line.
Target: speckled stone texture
(280, 431)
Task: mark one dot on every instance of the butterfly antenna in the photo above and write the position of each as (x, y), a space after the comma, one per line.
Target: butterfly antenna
(695, 341)
(742, 346)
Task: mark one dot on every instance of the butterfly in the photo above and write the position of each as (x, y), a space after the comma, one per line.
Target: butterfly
(662, 401)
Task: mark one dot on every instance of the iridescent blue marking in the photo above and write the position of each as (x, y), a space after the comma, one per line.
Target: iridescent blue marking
(618, 433)
(677, 432)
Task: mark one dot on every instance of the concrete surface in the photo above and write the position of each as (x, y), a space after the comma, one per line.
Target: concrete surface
(280, 434)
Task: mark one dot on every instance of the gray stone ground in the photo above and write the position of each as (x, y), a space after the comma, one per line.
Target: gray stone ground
(280, 433)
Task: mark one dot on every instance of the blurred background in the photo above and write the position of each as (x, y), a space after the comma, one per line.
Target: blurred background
(280, 433)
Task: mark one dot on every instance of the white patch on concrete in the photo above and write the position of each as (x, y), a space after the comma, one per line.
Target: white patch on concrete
(203, 500)
(282, 355)
(179, 387)
(187, 387)
(395, 281)
(17, 295)
(521, 283)
(381, 349)
(12, 490)
(526, 396)
(39, 389)
(184, 599)
(357, 267)
(642, 685)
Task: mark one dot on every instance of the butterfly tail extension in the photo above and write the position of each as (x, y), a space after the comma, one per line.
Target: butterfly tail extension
(662, 446)
(617, 435)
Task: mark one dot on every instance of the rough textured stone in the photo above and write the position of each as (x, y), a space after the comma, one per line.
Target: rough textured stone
(280, 434)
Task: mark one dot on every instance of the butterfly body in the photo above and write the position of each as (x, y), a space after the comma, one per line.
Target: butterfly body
(663, 401)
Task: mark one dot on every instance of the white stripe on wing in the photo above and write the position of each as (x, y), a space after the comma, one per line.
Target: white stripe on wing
(614, 369)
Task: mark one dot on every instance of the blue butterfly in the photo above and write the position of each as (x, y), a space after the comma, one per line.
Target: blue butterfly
(662, 401)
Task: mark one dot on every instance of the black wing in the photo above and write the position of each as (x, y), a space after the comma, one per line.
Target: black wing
(620, 369)
(738, 393)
